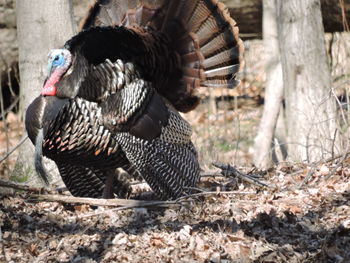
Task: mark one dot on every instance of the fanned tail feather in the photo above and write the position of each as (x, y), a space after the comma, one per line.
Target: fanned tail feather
(201, 31)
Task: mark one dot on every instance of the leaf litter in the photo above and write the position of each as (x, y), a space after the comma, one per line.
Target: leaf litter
(286, 223)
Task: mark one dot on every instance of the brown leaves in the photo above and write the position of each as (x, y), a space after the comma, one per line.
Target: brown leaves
(287, 224)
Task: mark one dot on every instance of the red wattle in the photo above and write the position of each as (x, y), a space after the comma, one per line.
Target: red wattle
(48, 90)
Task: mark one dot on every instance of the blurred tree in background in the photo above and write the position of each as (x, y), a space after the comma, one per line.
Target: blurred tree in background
(311, 112)
(41, 26)
(314, 130)
(263, 147)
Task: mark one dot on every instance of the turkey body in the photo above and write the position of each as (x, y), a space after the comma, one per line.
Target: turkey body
(141, 62)
(87, 154)
(84, 150)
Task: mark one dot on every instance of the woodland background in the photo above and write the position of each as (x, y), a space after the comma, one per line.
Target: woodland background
(303, 216)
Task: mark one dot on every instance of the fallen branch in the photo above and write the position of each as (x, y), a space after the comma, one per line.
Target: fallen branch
(101, 202)
(339, 164)
(210, 174)
(121, 204)
(228, 170)
(23, 187)
(307, 177)
(342, 157)
(214, 193)
(176, 202)
(202, 175)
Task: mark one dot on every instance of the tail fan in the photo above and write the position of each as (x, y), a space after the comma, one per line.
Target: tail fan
(200, 31)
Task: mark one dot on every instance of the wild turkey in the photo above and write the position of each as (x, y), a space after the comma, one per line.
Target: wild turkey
(70, 133)
(142, 61)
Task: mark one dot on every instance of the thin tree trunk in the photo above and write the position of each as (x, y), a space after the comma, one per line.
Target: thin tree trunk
(41, 26)
(310, 108)
(273, 90)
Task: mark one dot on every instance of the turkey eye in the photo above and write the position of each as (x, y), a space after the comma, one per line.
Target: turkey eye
(56, 58)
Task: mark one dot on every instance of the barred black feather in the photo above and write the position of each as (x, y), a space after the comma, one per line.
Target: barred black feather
(74, 137)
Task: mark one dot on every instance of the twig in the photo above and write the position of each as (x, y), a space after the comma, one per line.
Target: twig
(328, 160)
(23, 187)
(13, 104)
(102, 212)
(228, 170)
(122, 204)
(151, 204)
(213, 193)
(331, 159)
(307, 177)
(13, 149)
(314, 166)
(178, 202)
(210, 174)
(340, 163)
(101, 202)
(13, 94)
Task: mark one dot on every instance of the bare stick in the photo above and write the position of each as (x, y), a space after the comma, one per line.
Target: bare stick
(123, 204)
(214, 193)
(13, 104)
(228, 170)
(342, 158)
(210, 174)
(22, 187)
(100, 202)
(13, 149)
(103, 212)
(177, 202)
(340, 163)
(307, 177)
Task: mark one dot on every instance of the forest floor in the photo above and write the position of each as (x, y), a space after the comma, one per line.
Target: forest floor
(303, 216)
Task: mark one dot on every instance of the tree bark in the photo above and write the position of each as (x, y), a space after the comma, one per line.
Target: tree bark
(248, 14)
(310, 108)
(41, 26)
(273, 91)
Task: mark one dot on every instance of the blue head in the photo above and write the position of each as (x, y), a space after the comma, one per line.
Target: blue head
(57, 59)
(58, 63)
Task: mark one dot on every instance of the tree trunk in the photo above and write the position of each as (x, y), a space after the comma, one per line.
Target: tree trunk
(310, 108)
(273, 90)
(248, 14)
(41, 26)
